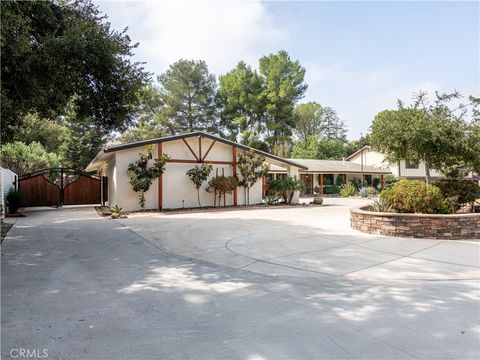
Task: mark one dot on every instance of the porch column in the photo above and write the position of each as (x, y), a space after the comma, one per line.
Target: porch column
(293, 171)
(382, 181)
(321, 184)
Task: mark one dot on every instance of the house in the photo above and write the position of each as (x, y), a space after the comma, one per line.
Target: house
(409, 169)
(322, 174)
(174, 189)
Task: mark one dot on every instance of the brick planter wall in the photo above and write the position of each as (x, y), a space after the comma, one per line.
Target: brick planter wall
(448, 227)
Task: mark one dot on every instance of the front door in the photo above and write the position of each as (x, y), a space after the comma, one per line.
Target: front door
(307, 180)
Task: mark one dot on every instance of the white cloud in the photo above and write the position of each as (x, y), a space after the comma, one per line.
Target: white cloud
(221, 33)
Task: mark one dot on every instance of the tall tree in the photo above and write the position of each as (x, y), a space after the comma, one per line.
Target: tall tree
(308, 120)
(188, 95)
(52, 50)
(241, 96)
(316, 147)
(333, 127)
(284, 86)
(436, 134)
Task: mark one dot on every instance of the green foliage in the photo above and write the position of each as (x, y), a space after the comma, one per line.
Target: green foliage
(331, 189)
(308, 120)
(53, 50)
(243, 103)
(117, 210)
(23, 159)
(377, 183)
(389, 180)
(141, 174)
(340, 180)
(188, 98)
(251, 167)
(380, 205)
(270, 198)
(355, 145)
(414, 196)
(371, 191)
(14, 200)
(283, 86)
(319, 148)
(435, 134)
(348, 190)
(221, 186)
(333, 127)
(285, 187)
(363, 192)
(198, 175)
(459, 192)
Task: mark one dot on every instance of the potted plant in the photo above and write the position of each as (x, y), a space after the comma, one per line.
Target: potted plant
(14, 200)
(117, 212)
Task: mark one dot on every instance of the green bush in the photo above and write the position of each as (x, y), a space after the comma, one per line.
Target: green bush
(286, 187)
(389, 180)
(371, 191)
(376, 183)
(363, 192)
(414, 196)
(459, 192)
(331, 189)
(348, 190)
(14, 200)
(380, 206)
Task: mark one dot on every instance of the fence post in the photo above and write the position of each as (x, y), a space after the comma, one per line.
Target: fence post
(61, 187)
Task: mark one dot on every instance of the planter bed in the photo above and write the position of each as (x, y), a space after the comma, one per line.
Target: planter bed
(430, 226)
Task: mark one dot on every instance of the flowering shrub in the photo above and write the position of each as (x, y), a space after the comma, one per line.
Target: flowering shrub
(414, 196)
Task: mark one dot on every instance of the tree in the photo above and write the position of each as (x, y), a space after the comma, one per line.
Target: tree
(188, 96)
(52, 50)
(221, 185)
(252, 167)
(141, 173)
(436, 134)
(316, 147)
(308, 120)
(23, 159)
(355, 145)
(198, 175)
(333, 127)
(241, 96)
(284, 86)
(286, 187)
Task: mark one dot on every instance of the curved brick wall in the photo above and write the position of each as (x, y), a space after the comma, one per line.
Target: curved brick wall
(448, 227)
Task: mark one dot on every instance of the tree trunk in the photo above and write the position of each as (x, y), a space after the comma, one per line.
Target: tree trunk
(427, 171)
(198, 197)
(248, 196)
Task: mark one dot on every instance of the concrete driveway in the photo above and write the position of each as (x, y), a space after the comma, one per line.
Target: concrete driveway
(84, 287)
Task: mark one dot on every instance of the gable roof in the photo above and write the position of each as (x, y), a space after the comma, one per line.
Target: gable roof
(114, 148)
(366, 147)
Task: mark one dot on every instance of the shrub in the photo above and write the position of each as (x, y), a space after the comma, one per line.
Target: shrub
(331, 189)
(14, 200)
(270, 198)
(286, 187)
(380, 205)
(376, 183)
(371, 191)
(348, 190)
(389, 180)
(339, 181)
(221, 186)
(414, 196)
(363, 192)
(459, 192)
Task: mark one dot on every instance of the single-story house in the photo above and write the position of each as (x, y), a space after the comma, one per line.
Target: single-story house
(174, 189)
(324, 173)
(367, 156)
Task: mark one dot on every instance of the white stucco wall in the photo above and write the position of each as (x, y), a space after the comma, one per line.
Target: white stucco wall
(178, 190)
(7, 179)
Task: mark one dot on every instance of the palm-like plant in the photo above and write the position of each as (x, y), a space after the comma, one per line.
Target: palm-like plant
(286, 187)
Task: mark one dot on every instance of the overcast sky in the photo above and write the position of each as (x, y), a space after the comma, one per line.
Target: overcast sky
(359, 56)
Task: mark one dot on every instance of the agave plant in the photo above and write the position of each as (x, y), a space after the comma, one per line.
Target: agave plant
(380, 206)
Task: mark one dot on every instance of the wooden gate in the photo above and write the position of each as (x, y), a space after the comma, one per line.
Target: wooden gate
(61, 187)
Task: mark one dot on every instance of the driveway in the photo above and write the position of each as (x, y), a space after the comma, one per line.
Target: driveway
(84, 287)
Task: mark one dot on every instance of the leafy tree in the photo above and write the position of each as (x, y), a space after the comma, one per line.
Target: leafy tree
(23, 159)
(142, 173)
(52, 50)
(355, 145)
(50, 133)
(284, 86)
(308, 120)
(316, 147)
(251, 167)
(436, 134)
(221, 185)
(198, 175)
(241, 96)
(188, 95)
(147, 117)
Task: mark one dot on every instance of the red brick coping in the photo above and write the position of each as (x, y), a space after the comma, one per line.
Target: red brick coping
(433, 226)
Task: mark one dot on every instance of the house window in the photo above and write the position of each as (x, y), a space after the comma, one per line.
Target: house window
(328, 179)
(280, 176)
(367, 179)
(411, 164)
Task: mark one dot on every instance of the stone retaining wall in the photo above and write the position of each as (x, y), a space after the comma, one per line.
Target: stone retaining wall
(448, 227)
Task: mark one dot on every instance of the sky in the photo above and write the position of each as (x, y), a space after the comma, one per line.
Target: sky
(360, 57)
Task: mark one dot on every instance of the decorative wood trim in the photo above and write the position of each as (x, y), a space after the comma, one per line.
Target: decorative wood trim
(208, 150)
(187, 161)
(191, 150)
(200, 148)
(321, 184)
(382, 181)
(160, 179)
(234, 170)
